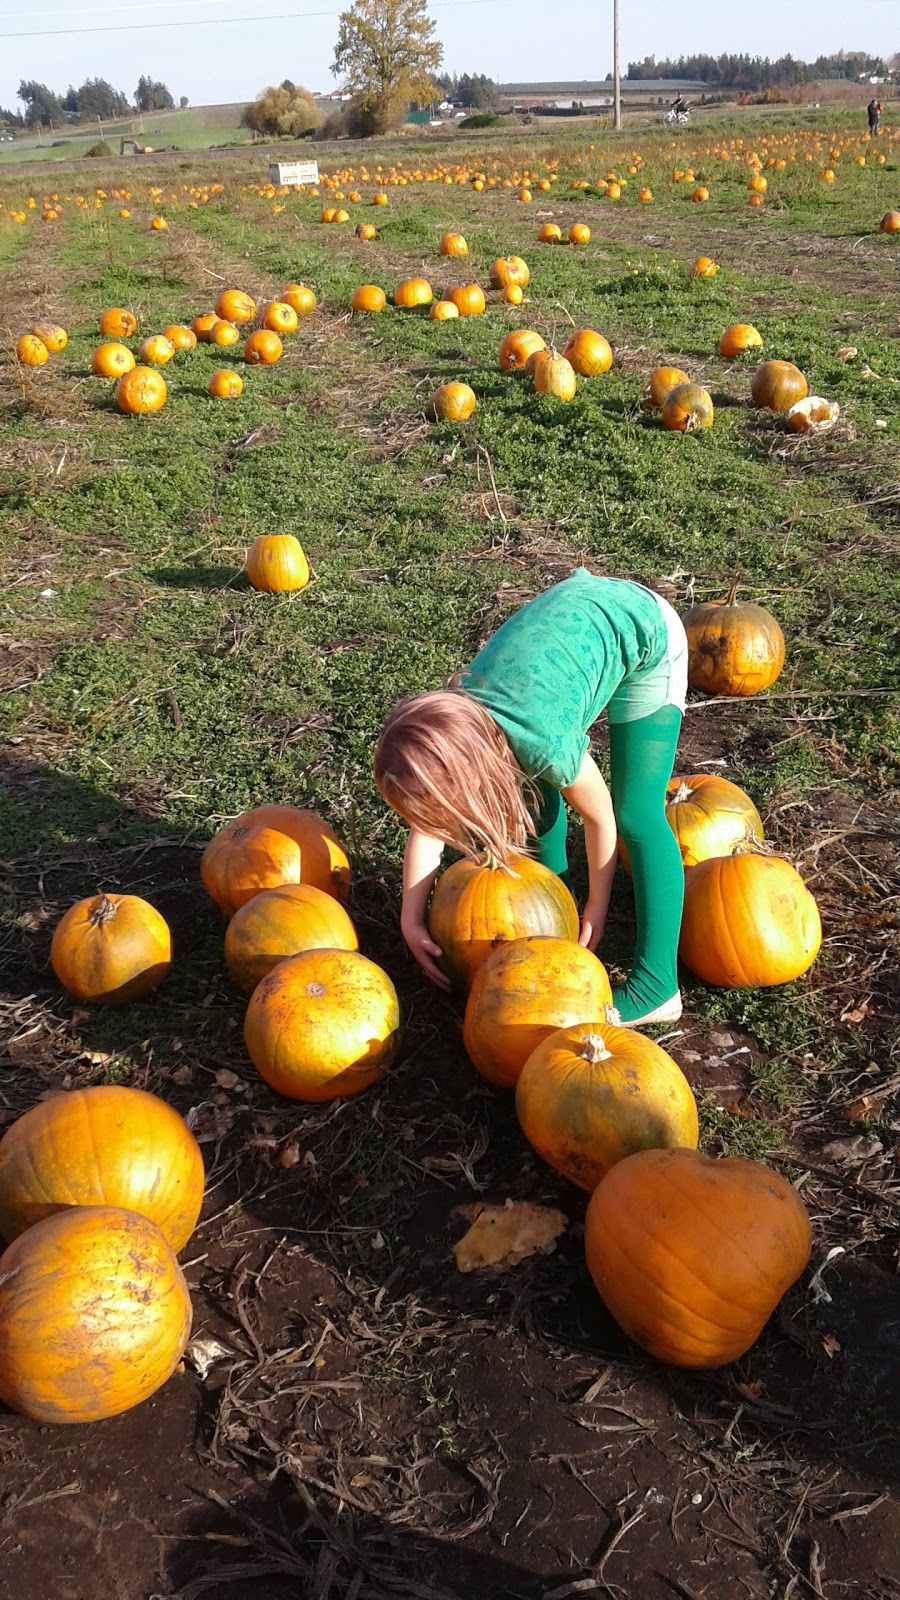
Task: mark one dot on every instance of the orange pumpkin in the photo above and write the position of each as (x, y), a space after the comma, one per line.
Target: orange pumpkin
(276, 564)
(269, 846)
(661, 382)
(159, 224)
(692, 1255)
(94, 1315)
(157, 350)
(110, 949)
(107, 1146)
(453, 244)
(413, 292)
(322, 1025)
(645, 196)
(51, 335)
(592, 1094)
(739, 337)
(812, 414)
(734, 647)
(224, 334)
(687, 408)
(263, 348)
(510, 269)
(280, 317)
(452, 402)
(778, 385)
(368, 297)
(704, 267)
(523, 991)
(300, 298)
(31, 351)
(700, 195)
(550, 233)
(141, 390)
(203, 325)
(224, 384)
(118, 323)
(758, 184)
(182, 338)
(443, 311)
(513, 294)
(517, 346)
(555, 377)
(588, 353)
(279, 923)
(112, 360)
(468, 299)
(749, 922)
(380, 199)
(890, 222)
(579, 233)
(366, 230)
(233, 305)
(474, 908)
(710, 816)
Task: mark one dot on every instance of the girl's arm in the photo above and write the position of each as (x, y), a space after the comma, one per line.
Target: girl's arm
(421, 865)
(589, 796)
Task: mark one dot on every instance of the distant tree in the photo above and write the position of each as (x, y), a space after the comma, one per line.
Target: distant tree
(97, 98)
(386, 56)
(478, 91)
(11, 119)
(282, 113)
(758, 72)
(152, 96)
(43, 109)
(288, 83)
(70, 100)
(183, 103)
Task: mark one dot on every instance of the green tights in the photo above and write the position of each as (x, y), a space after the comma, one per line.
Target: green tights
(641, 756)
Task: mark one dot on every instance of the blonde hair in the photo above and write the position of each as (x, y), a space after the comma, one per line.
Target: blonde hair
(444, 764)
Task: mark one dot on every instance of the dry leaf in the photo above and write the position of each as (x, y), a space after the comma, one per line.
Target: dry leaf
(289, 1156)
(226, 1079)
(204, 1353)
(847, 352)
(866, 1105)
(853, 1151)
(502, 1236)
(830, 1345)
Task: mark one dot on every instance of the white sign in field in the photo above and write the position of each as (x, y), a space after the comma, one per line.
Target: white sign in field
(294, 172)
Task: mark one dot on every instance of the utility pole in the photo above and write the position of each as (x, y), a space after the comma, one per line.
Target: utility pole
(617, 92)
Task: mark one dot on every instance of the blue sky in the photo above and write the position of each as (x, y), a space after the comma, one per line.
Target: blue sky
(214, 61)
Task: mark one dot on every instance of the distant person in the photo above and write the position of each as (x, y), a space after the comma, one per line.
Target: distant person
(680, 106)
(873, 110)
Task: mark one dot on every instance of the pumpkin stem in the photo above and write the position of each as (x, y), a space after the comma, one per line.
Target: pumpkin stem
(683, 792)
(729, 601)
(751, 846)
(593, 1049)
(103, 912)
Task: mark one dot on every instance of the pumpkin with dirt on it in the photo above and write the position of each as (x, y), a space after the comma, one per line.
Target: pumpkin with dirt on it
(477, 906)
(734, 646)
(52, 335)
(749, 922)
(31, 351)
(94, 1315)
(141, 391)
(691, 1255)
(510, 269)
(104, 1146)
(322, 1025)
(592, 1094)
(523, 991)
(268, 846)
(276, 564)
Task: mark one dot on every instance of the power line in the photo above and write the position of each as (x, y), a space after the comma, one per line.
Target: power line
(204, 22)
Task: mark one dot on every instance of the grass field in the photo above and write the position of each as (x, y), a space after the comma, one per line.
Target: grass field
(378, 1426)
(197, 128)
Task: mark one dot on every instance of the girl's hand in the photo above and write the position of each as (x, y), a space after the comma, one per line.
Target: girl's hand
(425, 950)
(592, 922)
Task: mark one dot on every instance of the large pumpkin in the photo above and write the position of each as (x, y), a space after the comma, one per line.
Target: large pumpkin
(510, 269)
(107, 1146)
(233, 305)
(453, 244)
(269, 846)
(777, 385)
(468, 298)
(687, 408)
(474, 908)
(524, 991)
(692, 1255)
(413, 292)
(368, 297)
(322, 1025)
(31, 351)
(276, 564)
(110, 949)
(709, 816)
(112, 360)
(118, 323)
(555, 376)
(517, 346)
(141, 391)
(588, 353)
(94, 1315)
(263, 348)
(660, 383)
(300, 298)
(283, 922)
(739, 337)
(734, 647)
(591, 1095)
(749, 922)
(451, 402)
